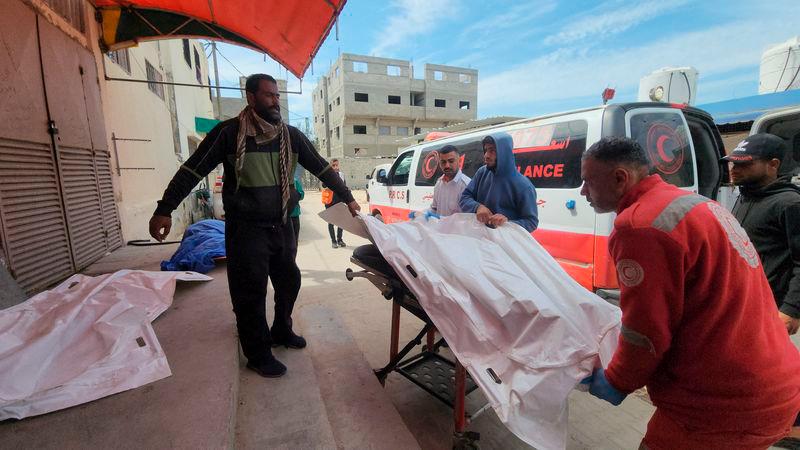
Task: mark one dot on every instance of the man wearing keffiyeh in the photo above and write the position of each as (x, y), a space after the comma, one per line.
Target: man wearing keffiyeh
(259, 153)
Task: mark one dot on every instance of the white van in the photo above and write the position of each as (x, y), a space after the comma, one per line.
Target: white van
(683, 143)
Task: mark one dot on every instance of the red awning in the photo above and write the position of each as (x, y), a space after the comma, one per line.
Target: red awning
(290, 31)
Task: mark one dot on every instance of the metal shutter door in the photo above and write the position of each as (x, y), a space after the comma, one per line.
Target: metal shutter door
(74, 104)
(110, 215)
(33, 231)
(35, 236)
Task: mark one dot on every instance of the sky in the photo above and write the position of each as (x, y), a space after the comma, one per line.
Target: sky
(544, 56)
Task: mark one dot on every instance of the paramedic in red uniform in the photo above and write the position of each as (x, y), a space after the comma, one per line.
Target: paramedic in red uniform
(700, 327)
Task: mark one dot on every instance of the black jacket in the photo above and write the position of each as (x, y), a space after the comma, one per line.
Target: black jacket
(257, 196)
(771, 217)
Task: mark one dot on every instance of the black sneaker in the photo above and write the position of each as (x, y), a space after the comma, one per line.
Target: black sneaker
(341, 243)
(290, 340)
(334, 245)
(270, 368)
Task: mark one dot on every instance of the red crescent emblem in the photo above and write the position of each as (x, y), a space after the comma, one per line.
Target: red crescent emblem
(660, 147)
(427, 170)
(665, 148)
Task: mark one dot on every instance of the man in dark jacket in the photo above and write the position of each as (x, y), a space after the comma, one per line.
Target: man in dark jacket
(498, 192)
(769, 210)
(259, 153)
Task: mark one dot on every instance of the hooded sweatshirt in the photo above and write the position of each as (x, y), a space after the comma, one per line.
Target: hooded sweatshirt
(503, 189)
(771, 217)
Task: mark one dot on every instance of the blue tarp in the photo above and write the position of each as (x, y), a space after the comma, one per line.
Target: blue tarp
(202, 242)
(746, 109)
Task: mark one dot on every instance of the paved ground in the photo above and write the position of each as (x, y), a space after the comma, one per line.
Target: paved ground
(366, 316)
(329, 399)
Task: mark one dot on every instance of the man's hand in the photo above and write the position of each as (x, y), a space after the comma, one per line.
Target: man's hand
(497, 220)
(790, 322)
(354, 208)
(483, 214)
(159, 227)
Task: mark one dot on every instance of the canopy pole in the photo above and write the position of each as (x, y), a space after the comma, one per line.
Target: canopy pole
(216, 77)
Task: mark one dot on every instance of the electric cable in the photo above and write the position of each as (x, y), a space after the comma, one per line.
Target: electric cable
(229, 62)
(148, 243)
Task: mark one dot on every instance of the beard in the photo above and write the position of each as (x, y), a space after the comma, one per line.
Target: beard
(271, 115)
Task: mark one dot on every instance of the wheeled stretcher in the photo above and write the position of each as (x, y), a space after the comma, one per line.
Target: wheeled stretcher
(444, 378)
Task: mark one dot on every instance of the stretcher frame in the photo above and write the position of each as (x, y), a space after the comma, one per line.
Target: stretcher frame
(401, 297)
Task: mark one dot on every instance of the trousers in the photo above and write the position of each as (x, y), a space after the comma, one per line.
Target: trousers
(296, 226)
(337, 236)
(257, 253)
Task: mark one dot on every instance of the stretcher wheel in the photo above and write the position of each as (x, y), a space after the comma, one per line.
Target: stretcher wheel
(467, 440)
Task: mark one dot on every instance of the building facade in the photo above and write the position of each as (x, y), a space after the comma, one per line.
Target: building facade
(153, 128)
(88, 140)
(57, 208)
(365, 104)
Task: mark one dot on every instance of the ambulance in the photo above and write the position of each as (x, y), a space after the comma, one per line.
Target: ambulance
(682, 143)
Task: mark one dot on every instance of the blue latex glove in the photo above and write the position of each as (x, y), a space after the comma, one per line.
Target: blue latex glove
(429, 214)
(602, 389)
(412, 215)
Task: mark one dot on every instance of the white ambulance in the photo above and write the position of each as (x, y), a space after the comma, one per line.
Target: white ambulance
(683, 144)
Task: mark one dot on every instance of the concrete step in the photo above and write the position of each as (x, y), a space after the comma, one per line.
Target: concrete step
(194, 408)
(360, 412)
(283, 413)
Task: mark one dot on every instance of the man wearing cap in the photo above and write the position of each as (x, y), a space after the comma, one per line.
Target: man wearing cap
(768, 208)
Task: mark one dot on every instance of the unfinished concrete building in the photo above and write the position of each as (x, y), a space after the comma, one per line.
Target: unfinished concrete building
(365, 104)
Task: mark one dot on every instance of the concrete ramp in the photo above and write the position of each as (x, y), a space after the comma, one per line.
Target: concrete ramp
(360, 411)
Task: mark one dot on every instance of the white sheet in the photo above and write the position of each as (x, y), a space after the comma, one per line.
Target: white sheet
(339, 214)
(87, 338)
(502, 302)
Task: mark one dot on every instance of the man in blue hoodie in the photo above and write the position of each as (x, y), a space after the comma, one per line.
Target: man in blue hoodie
(498, 192)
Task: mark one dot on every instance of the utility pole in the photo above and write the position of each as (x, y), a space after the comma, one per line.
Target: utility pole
(216, 77)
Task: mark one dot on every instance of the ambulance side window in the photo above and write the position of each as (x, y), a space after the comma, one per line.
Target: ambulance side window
(398, 176)
(550, 155)
(666, 141)
(470, 159)
(471, 156)
(428, 168)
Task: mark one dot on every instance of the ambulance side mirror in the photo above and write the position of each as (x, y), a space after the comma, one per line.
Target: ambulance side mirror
(381, 176)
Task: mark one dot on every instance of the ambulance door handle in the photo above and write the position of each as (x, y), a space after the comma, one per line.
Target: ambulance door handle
(408, 192)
